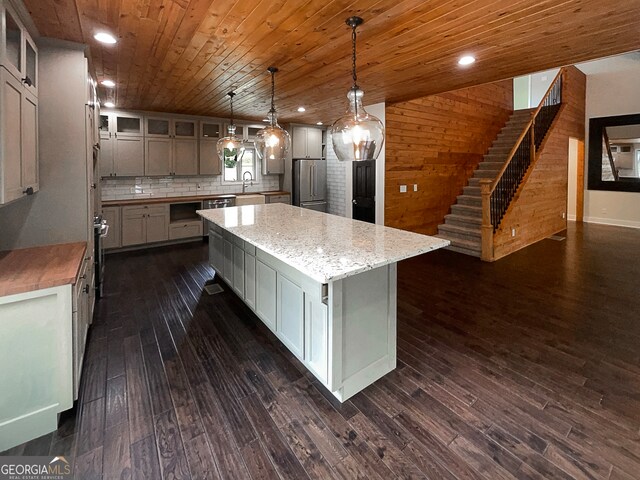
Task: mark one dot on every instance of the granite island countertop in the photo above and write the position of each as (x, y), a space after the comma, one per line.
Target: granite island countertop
(324, 247)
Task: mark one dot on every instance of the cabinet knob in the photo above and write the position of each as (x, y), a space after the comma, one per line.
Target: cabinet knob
(86, 288)
(27, 81)
(28, 191)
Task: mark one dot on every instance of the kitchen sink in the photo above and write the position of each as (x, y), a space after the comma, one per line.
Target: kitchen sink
(249, 200)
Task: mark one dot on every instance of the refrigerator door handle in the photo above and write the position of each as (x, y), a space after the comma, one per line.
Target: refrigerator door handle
(311, 180)
(315, 180)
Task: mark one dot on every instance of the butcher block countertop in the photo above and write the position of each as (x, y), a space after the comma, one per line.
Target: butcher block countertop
(36, 268)
(194, 198)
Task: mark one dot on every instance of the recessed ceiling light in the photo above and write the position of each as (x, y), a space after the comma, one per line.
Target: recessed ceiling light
(466, 60)
(265, 119)
(302, 109)
(108, 83)
(109, 104)
(318, 123)
(105, 37)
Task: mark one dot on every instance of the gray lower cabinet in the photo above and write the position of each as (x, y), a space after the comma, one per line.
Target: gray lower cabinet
(185, 230)
(145, 224)
(238, 270)
(290, 309)
(216, 251)
(266, 294)
(227, 271)
(250, 280)
(291, 305)
(113, 238)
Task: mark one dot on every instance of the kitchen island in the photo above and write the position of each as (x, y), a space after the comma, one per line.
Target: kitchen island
(325, 285)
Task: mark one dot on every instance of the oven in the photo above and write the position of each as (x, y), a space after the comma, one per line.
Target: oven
(100, 231)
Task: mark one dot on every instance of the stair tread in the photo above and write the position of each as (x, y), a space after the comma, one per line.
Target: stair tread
(465, 219)
(472, 209)
(474, 232)
(468, 247)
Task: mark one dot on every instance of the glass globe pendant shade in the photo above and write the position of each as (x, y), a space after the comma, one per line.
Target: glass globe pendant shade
(357, 136)
(230, 149)
(272, 142)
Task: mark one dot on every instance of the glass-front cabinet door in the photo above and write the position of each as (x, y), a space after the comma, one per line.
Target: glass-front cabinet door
(210, 130)
(12, 43)
(128, 125)
(185, 129)
(30, 65)
(158, 127)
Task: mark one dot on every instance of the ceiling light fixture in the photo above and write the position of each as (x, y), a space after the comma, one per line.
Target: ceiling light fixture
(466, 60)
(105, 37)
(230, 148)
(108, 83)
(318, 123)
(302, 109)
(109, 104)
(272, 142)
(356, 136)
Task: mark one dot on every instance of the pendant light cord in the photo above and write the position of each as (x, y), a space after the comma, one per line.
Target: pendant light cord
(231, 95)
(273, 92)
(353, 67)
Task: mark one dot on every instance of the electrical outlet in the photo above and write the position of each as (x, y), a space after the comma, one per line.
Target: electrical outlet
(403, 189)
(415, 187)
(513, 232)
(564, 214)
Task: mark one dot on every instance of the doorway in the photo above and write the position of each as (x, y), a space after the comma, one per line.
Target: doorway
(575, 187)
(364, 191)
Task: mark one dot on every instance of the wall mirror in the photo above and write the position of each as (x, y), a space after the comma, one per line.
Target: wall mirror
(614, 153)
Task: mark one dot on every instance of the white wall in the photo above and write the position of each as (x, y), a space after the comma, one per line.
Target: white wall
(378, 110)
(572, 194)
(612, 93)
(336, 181)
(528, 90)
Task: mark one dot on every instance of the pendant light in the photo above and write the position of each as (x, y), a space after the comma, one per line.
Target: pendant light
(230, 148)
(356, 136)
(272, 142)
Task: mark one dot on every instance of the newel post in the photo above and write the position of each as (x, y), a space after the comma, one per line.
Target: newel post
(487, 227)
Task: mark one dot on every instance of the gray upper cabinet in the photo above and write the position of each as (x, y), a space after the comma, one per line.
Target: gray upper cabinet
(121, 145)
(171, 146)
(306, 142)
(18, 51)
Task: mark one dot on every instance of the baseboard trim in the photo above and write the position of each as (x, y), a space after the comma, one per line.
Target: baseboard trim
(571, 218)
(614, 222)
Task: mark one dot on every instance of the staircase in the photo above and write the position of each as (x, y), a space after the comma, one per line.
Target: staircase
(462, 225)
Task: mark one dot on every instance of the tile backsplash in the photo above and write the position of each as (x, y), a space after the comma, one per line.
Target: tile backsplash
(155, 187)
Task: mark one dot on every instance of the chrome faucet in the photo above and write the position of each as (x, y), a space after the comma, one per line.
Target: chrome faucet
(244, 180)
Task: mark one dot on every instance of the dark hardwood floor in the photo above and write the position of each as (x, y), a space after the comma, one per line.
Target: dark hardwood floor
(527, 368)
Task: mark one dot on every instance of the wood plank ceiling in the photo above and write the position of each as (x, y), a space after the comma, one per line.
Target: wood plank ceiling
(185, 55)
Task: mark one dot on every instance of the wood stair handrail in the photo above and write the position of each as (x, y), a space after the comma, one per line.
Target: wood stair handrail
(525, 130)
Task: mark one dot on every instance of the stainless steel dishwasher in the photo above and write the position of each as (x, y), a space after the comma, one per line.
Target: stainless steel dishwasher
(223, 202)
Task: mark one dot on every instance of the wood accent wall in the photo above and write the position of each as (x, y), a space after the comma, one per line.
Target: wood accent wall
(437, 142)
(536, 211)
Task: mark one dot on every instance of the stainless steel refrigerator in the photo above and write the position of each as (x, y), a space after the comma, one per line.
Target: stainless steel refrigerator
(310, 184)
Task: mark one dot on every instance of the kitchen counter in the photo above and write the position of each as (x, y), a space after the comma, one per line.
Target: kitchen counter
(324, 247)
(325, 285)
(184, 199)
(36, 268)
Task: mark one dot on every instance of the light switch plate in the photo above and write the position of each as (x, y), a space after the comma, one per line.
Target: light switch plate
(403, 189)
(415, 187)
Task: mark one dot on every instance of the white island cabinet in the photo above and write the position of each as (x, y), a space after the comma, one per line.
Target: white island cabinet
(325, 285)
